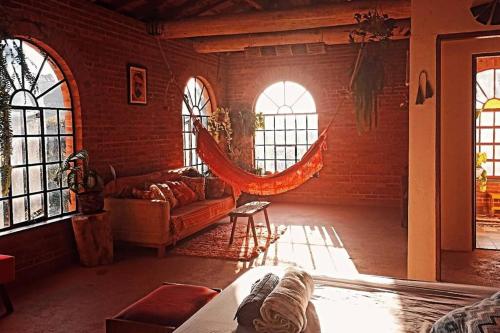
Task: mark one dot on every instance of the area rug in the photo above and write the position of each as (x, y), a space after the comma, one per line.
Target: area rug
(214, 243)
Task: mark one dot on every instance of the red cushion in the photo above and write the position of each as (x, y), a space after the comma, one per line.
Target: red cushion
(169, 305)
(7, 269)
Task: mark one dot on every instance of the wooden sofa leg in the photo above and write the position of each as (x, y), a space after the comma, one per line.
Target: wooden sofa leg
(6, 301)
(161, 251)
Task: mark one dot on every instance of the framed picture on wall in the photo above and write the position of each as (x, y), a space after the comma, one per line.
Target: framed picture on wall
(137, 85)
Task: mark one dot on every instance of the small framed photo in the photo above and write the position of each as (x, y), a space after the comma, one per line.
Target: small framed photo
(137, 85)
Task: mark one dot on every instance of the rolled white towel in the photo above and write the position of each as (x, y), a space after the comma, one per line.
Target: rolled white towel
(284, 310)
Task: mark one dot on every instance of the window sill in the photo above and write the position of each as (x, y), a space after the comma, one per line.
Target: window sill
(36, 225)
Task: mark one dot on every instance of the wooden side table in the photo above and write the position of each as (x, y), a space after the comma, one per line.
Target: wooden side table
(249, 210)
(94, 238)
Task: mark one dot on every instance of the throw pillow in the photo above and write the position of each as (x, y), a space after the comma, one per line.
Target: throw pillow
(143, 194)
(165, 191)
(182, 193)
(197, 184)
(214, 188)
(480, 317)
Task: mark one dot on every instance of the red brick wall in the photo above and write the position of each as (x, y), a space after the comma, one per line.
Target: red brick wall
(95, 45)
(359, 169)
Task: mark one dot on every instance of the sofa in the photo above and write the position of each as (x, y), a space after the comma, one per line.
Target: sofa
(152, 223)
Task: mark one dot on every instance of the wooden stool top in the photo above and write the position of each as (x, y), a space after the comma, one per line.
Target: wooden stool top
(249, 209)
(494, 195)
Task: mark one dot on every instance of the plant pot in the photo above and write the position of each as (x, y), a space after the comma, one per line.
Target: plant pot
(90, 202)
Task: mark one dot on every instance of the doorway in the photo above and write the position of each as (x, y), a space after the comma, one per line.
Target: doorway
(487, 150)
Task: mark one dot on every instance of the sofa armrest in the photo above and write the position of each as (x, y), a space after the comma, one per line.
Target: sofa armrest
(139, 221)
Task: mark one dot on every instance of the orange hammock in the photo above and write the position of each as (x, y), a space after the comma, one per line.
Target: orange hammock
(243, 181)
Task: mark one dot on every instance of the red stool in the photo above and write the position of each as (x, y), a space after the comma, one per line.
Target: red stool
(162, 310)
(7, 274)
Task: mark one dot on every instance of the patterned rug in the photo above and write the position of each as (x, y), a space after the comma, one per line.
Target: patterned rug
(214, 243)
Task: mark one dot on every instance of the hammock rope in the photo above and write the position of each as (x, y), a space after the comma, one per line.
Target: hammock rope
(243, 181)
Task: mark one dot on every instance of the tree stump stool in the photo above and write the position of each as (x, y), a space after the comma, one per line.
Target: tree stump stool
(94, 238)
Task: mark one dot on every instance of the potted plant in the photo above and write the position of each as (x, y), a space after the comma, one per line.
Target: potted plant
(83, 181)
(481, 174)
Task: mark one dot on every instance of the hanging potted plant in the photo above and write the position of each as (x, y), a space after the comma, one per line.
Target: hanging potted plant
(373, 31)
(83, 181)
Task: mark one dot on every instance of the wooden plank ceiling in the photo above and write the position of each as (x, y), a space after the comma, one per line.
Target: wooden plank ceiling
(240, 25)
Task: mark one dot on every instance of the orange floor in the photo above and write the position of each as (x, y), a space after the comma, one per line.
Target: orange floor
(367, 240)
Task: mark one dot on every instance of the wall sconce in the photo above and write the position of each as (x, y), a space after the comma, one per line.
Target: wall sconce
(154, 28)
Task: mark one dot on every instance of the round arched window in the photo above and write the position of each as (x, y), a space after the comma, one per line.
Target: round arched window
(43, 136)
(290, 126)
(200, 102)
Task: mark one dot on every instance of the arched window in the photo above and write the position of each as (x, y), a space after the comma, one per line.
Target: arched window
(43, 136)
(488, 119)
(201, 104)
(290, 126)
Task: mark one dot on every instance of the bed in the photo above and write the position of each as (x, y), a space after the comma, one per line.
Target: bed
(360, 303)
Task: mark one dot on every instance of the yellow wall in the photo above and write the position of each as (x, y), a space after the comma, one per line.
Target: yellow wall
(429, 18)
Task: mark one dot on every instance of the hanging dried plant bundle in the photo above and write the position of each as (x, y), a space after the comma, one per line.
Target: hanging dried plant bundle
(219, 126)
(367, 78)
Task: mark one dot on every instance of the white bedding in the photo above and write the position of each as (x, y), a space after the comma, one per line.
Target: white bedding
(359, 304)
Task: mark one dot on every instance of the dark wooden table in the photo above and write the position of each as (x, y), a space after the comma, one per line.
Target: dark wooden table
(249, 210)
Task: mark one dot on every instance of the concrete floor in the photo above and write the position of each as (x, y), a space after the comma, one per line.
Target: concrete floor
(334, 240)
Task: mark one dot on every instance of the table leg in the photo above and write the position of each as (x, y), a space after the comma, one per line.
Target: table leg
(233, 219)
(492, 211)
(267, 221)
(253, 231)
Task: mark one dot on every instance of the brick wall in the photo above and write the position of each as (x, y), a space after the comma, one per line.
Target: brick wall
(94, 46)
(359, 169)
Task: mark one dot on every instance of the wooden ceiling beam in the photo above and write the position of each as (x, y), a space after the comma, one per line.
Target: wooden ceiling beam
(309, 17)
(256, 4)
(328, 36)
(193, 8)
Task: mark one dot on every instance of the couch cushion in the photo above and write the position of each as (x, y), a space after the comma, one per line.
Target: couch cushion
(197, 184)
(182, 193)
(197, 215)
(214, 188)
(169, 305)
(7, 268)
(121, 184)
(166, 193)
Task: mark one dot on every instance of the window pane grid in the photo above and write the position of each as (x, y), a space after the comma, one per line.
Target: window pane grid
(38, 152)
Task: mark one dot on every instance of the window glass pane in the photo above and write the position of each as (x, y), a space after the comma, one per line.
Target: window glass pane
(290, 122)
(497, 169)
(18, 156)
(270, 166)
(36, 206)
(66, 143)
(19, 181)
(497, 118)
(65, 122)
(51, 149)
(270, 152)
(280, 122)
(486, 118)
(280, 152)
(269, 123)
(290, 153)
(485, 80)
(488, 150)
(259, 152)
(23, 98)
(312, 136)
(301, 137)
(486, 135)
(52, 182)
(280, 137)
(312, 121)
(301, 121)
(69, 201)
(259, 137)
(54, 203)
(290, 137)
(289, 163)
(33, 122)
(55, 98)
(4, 214)
(20, 209)
(34, 150)
(280, 166)
(36, 178)
(269, 137)
(261, 164)
(488, 166)
(17, 122)
(50, 120)
(497, 152)
(301, 150)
